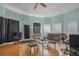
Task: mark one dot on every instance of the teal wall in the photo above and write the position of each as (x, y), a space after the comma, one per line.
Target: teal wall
(29, 20)
(2, 11)
(57, 19)
(71, 16)
(65, 18)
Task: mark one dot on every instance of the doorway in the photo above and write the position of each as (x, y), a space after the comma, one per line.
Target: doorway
(37, 30)
(26, 32)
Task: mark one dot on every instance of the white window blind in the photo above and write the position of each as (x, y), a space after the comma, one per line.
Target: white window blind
(46, 28)
(57, 28)
(72, 27)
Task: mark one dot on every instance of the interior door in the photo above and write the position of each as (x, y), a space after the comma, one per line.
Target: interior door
(3, 30)
(26, 32)
(6, 30)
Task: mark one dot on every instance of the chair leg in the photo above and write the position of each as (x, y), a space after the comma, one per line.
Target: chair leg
(34, 50)
(30, 50)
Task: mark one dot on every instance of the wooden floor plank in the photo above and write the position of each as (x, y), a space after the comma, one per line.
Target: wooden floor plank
(52, 51)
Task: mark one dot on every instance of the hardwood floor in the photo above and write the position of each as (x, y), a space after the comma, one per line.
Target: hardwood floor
(52, 51)
(17, 50)
(9, 50)
(21, 50)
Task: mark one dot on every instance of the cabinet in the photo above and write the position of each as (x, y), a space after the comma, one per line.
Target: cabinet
(7, 29)
(1, 29)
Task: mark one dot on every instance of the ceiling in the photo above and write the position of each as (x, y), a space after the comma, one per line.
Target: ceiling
(51, 10)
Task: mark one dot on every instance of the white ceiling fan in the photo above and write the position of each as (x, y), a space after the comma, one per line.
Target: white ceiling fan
(42, 4)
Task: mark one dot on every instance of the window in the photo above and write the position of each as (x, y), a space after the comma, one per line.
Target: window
(57, 28)
(46, 28)
(72, 27)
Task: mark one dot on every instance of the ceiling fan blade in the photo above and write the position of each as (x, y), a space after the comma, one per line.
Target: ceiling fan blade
(35, 5)
(43, 5)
